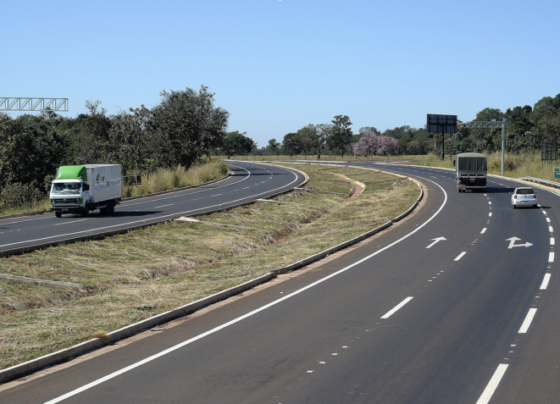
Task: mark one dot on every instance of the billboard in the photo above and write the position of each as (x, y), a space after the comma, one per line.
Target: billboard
(441, 123)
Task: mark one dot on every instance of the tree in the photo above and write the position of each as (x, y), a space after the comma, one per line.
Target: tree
(368, 143)
(273, 147)
(237, 143)
(128, 141)
(291, 145)
(315, 136)
(186, 126)
(372, 143)
(30, 149)
(341, 134)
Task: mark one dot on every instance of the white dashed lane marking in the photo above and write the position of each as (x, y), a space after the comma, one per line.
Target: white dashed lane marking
(483, 231)
(460, 256)
(493, 384)
(528, 319)
(397, 307)
(545, 281)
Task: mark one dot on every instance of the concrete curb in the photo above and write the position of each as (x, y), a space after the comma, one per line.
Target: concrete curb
(67, 354)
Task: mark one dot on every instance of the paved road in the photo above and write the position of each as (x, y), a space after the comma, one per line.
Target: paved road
(248, 182)
(467, 320)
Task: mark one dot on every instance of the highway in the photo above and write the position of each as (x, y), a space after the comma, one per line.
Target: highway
(248, 182)
(457, 304)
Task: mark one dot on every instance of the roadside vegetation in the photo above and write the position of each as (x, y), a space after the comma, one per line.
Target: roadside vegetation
(130, 277)
(515, 165)
(157, 181)
(179, 177)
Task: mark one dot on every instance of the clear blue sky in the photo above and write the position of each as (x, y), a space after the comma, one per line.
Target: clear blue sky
(277, 66)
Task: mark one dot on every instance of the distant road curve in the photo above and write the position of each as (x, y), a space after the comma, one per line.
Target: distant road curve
(249, 181)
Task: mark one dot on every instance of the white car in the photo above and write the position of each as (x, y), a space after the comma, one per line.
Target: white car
(524, 196)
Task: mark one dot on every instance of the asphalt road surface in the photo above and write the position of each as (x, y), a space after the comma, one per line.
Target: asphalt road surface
(248, 182)
(407, 317)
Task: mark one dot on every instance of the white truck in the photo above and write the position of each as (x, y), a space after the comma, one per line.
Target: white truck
(81, 189)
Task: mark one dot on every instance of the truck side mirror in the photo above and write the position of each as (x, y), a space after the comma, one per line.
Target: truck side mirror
(86, 186)
(453, 163)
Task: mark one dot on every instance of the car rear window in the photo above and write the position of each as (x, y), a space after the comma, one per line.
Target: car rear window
(526, 191)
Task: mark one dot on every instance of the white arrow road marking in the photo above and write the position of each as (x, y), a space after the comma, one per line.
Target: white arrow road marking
(436, 240)
(513, 240)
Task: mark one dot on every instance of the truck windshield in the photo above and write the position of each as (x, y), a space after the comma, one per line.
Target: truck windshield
(65, 188)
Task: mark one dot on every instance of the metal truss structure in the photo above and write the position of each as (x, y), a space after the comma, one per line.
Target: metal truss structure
(33, 104)
(484, 124)
(488, 125)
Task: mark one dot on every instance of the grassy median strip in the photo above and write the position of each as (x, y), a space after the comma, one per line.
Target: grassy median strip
(133, 276)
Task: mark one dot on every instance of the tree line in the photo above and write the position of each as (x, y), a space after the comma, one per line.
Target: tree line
(526, 128)
(182, 129)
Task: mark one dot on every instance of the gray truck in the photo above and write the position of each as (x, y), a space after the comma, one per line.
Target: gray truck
(471, 171)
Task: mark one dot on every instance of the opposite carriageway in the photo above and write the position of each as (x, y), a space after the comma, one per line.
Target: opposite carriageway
(248, 182)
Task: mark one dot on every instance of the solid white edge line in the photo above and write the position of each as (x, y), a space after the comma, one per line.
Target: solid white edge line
(493, 384)
(483, 231)
(545, 281)
(528, 319)
(238, 319)
(460, 256)
(154, 218)
(397, 307)
(550, 257)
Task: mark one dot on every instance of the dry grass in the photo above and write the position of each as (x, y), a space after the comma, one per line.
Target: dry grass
(166, 179)
(515, 165)
(310, 157)
(43, 204)
(161, 180)
(134, 276)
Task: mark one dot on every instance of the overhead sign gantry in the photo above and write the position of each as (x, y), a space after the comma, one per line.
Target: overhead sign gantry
(30, 104)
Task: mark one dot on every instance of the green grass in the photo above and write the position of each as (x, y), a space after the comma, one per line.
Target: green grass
(133, 276)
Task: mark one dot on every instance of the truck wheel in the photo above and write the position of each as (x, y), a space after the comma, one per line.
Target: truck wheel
(58, 214)
(111, 209)
(104, 211)
(86, 212)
